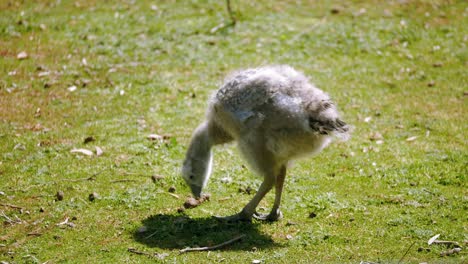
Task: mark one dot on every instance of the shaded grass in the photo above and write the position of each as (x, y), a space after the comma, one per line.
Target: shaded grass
(141, 70)
(171, 232)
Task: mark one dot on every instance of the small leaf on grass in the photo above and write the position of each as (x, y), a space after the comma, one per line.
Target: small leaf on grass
(226, 180)
(99, 151)
(375, 136)
(336, 10)
(19, 146)
(44, 73)
(142, 229)
(432, 239)
(155, 137)
(93, 196)
(89, 139)
(82, 151)
(413, 138)
(22, 55)
(156, 178)
(191, 203)
(59, 195)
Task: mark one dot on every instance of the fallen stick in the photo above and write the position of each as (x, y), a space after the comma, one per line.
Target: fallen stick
(153, 255)
(8, 219)
(123, 180)
(448, 243)
(132, 250)
(11, 206)
(92, 178)
(450, 252)
(189, 249)
(34, 234)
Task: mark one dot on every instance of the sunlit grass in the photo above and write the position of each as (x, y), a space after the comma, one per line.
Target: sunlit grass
(397, 70)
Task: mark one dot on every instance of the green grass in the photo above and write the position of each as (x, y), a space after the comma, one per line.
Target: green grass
(141, 69)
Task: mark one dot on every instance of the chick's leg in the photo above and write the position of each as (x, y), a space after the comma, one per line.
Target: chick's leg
(275, 213)
(248, 211)
(254, 149)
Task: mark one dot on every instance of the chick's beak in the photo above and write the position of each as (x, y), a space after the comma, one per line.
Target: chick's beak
(196, 190)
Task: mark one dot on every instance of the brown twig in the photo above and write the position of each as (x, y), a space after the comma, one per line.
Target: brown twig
(404, 255)
(429, 192)
(212, 247)
(132, 250)
(11, 206)
(11, 221)
(92, 178)
(448, 243)
(450, 252)
(123, 180)
(153, 255)
(130, 174)
(34, 234)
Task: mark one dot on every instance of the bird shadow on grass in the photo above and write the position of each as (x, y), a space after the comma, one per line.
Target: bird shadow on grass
(180, 231)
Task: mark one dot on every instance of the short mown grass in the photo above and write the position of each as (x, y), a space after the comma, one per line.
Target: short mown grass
(117, 71)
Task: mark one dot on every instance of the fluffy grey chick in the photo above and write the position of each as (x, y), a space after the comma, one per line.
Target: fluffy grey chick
(275, 115)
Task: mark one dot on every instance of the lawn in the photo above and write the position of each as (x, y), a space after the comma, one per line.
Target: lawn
(129, 81)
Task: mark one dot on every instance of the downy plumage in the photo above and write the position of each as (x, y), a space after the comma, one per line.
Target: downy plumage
(275, 115)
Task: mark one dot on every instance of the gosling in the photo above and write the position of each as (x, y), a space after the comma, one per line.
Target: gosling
(275, 115)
